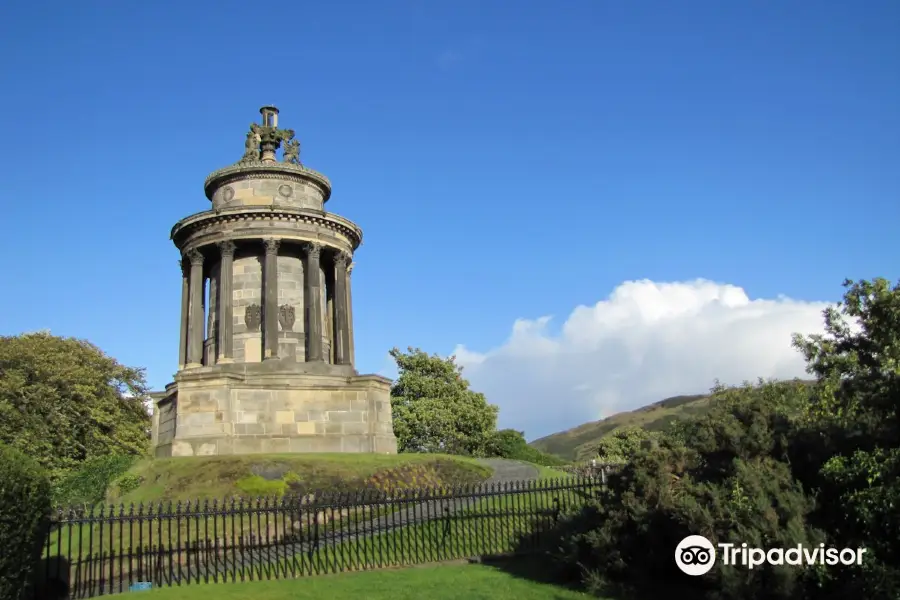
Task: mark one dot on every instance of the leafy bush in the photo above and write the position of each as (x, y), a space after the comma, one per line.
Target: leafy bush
(256, 486)
(24, 512)
(433, 408)
(619, 446)
(129, 482)
(63, 401)
(89, 482)
(509, 443)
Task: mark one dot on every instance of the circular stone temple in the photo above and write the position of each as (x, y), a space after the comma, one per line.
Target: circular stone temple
(266, 362)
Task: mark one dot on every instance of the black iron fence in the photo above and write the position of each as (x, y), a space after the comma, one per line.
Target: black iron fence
(110, 549)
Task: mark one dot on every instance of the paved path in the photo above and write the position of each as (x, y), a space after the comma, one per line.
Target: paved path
(508, 471)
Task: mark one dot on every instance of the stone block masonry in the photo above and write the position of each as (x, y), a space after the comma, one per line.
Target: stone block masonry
(278, 412)
(266, 347)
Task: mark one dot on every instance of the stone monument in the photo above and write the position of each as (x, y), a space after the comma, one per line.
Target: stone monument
(266, 361)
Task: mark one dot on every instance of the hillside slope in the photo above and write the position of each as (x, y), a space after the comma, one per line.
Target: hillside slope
(654, 417)
(574, 444)
(267, 475)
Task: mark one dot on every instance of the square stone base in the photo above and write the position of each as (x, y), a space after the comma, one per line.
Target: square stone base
(211, 411)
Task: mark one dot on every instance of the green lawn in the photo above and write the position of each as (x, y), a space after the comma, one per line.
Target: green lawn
(471, 582)
(551, 473)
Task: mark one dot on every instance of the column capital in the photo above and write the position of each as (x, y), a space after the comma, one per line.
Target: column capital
(226, 248)
(195, 256)
(341, 259)
(271, 245)
(350, 268)
(313, 250)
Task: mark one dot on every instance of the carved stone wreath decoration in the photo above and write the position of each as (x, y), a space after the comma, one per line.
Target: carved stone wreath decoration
(253, 317)
(286, 317)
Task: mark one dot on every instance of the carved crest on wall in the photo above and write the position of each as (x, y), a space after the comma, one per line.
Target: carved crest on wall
(253, 317)
(286, 317)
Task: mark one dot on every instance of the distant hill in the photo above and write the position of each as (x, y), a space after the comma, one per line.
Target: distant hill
(653, 417)
(572, 443)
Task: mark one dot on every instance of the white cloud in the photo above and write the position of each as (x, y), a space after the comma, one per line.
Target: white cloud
(645, 342)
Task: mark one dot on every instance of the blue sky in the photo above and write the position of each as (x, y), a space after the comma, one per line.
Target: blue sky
(507, 161)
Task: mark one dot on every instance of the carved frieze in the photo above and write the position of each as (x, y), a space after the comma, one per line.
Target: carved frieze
(261, 170)
(253, 317)
(211, 223)
(286, 317)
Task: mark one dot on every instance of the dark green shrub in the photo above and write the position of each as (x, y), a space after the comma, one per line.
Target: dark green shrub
(90, 481)
(723, 476)
(24, 515)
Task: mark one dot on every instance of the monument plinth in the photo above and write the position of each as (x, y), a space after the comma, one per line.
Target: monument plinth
(266, 360)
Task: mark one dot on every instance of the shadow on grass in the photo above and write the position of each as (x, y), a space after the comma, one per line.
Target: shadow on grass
(50, 580)
(531, 568)
(539, 557)
(546, 570)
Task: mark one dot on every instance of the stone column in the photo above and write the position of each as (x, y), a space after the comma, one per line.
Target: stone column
(185, 304)
(342, 328)
(195, 322)
(270, 298)
(154, 425)
(313, 297)
(350, 313)
(212, 336)
(226, 302)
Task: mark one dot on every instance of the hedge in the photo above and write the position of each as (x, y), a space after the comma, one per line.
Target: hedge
(25, 502)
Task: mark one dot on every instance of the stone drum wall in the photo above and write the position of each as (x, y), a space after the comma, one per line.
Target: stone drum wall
(266, 192)
(247, 282)
(292, 329)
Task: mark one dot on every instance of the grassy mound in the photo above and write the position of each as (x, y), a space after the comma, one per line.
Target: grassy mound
(250, 476)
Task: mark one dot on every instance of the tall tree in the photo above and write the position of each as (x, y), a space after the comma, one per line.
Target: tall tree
(63, 401)
(433, 408)
(849, 450)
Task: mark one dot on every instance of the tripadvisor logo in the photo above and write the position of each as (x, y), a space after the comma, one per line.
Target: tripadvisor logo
(696, 555)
